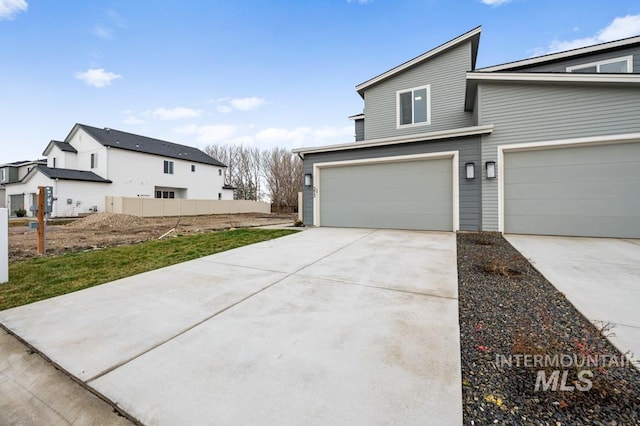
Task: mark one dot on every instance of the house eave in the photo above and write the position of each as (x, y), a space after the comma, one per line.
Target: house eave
(473, 35)
(621, 78)
(429, 136)
(563, 55)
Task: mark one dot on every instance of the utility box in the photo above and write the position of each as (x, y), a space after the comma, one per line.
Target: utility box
(48, 199)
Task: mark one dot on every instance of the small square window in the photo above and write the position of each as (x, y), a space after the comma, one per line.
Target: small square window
(168, 167)
(219, 172)
(414, 106)
(193, 167)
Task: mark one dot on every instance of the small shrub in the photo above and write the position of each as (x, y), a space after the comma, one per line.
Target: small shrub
(298, 223)
(20, 212)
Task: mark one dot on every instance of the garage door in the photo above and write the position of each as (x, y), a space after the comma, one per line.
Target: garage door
(577, 191)
(400, 195)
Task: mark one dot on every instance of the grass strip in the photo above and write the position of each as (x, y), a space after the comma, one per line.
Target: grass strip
(41, 278)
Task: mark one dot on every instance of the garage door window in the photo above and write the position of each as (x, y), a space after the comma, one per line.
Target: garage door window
(413, 106)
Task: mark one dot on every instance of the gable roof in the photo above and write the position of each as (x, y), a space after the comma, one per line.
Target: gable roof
(62, 146)
(68, 174)
(553, 57)
(473, 36)
(131, 142)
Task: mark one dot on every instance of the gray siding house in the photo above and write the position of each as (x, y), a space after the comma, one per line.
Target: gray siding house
(548, 145)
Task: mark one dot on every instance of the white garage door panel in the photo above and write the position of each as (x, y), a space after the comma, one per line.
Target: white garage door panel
(403, 195)
(583, 191)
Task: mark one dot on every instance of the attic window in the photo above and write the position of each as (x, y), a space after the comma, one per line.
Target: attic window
(616, 65)
(413, 106)
(94, 161)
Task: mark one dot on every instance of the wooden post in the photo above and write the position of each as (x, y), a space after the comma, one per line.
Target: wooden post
(40, 217)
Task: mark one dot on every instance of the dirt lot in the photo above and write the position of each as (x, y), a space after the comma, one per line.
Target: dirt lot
(106, 229)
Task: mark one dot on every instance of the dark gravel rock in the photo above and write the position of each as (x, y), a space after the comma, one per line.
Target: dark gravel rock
(508, 311)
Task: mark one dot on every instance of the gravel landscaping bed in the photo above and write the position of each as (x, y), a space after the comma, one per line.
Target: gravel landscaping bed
(517, 331)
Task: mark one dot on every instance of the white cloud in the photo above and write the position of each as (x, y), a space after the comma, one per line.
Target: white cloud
(620, 27)
(495, 2)
(132, 119)
(10, 8)
(246, 104)
(102, 32)
(226, 105)
(214, 133)
(175, 113)
(96, 77)
(304, 136)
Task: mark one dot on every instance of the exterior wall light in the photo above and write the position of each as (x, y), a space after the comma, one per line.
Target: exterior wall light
(308, 179)
(491, 169)
(470, 170)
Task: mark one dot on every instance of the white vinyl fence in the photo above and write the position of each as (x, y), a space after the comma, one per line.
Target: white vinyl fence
(158, 207)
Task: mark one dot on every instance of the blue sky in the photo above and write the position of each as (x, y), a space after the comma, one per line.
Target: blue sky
(259, 72)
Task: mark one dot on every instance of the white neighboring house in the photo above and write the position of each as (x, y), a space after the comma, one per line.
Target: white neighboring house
(14, 172)
(92, 163)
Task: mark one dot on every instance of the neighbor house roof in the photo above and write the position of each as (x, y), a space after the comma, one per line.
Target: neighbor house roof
(68, 174)
(118, 139)
(553, 57)
(62, 146)
(473, 36)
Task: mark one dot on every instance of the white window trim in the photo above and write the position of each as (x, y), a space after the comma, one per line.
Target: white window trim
(628, 59)
(412, 89)
(317, 169)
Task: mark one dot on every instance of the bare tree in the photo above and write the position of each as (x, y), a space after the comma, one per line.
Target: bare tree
(283, 177)
(244, 169)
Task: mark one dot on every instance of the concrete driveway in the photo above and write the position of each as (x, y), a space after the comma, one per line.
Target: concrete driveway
(599, 276)
(327, 326)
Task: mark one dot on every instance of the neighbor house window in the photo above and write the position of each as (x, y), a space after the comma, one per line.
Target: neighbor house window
(219, 196)
(53, 164)
(617, 65)
(193, 167)
(3, 175)
(168, 167)
(94, 161)
(165, 194)
(219, 172)
(414, 106)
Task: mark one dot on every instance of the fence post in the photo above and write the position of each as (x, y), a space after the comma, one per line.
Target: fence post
(4, 245)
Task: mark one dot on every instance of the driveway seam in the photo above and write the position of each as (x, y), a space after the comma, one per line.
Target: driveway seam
(376, 286)
(120, 364)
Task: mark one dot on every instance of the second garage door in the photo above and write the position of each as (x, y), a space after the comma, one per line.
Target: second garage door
(400, 195)
(578, 191)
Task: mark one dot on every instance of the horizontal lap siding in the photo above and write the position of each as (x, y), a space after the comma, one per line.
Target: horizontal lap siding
(469, 190)
(446, 75)
(562, 65)
(535, 112)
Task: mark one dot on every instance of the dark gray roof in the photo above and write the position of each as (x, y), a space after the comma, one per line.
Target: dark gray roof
(123, 140)
(64, 146)
(70, 174)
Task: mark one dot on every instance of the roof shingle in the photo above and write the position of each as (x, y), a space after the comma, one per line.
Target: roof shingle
(129, 141)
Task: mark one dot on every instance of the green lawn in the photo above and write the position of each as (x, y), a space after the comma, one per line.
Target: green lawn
(36, 279)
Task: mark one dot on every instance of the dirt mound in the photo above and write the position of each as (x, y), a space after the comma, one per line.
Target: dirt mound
(111, 221)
